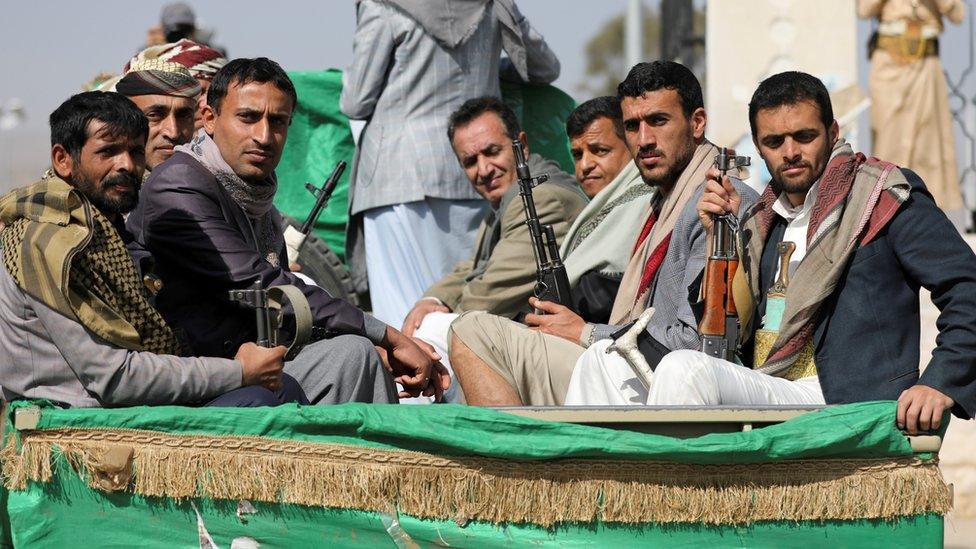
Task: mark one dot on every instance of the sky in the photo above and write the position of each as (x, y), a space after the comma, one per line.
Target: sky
(49, 49)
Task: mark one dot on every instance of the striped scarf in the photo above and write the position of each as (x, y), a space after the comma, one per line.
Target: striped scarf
(62, 251)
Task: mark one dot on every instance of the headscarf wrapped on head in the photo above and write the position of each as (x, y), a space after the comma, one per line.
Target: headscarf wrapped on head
(148, 74)
(202, 61)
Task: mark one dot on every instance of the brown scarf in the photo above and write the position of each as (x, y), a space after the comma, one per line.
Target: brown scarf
(856, 199)
(631, 298)
(63, 252)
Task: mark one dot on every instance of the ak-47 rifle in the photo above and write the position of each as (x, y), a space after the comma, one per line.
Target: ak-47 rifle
(267, 306)
(552, 282)
(719, 326)
(294, 240)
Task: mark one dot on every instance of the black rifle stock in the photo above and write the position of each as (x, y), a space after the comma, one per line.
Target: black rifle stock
(552, 282)
(322, 196)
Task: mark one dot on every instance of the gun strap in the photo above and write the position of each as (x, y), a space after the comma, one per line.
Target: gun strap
(302, 311)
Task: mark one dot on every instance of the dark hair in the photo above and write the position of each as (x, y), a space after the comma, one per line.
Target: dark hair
(69, 122)
(788, 88)
(646, 77)
(243, 71)
(588, 111)
(473, 108)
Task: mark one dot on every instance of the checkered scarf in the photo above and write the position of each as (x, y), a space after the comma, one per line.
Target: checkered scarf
(62, 251)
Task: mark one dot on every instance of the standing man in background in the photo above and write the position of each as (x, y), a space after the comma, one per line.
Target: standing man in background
(413, 213)
(910, 121)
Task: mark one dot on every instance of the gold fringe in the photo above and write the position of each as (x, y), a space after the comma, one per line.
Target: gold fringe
(477, 488)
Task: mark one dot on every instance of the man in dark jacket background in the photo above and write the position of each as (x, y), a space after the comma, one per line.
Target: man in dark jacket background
(207, 216)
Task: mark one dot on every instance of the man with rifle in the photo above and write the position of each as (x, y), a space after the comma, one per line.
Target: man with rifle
(857, 238)
(207, 216)
(501, 363)
(501, 274)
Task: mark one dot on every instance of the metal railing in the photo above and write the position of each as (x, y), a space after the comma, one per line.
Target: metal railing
(962, 107)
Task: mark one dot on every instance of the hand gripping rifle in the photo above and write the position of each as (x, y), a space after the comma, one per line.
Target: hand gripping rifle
(268, 316)
(719, 326)
(552, 282)
(295, 239)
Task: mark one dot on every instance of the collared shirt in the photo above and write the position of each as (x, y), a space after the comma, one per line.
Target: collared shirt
(798, 219)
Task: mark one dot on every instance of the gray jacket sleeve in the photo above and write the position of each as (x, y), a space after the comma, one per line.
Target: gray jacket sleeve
(372, 51)
(120, 377)
(681, 332)
(543, 65)
(674, 323)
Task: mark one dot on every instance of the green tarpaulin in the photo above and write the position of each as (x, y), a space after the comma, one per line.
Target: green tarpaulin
(65, 511)
(864, 430)
(319, 137)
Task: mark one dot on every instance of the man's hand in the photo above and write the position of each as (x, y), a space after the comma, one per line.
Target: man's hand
(719, 198)
(920, 408)
(559, 320)
(415, 365)
(422, 308)
(260, 365)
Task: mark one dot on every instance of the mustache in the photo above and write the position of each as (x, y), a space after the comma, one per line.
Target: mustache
(646, 153)
(486, 179)
(127, 179)
(801, 164)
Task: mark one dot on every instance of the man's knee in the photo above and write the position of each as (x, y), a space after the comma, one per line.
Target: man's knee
(681, 366)
(457, 350)
(360, 354)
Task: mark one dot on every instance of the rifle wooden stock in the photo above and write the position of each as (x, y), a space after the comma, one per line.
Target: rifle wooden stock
(719, 303)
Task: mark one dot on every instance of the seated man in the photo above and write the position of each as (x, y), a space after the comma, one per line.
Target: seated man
(598, 246)
(167, 94)
(77, 324)
(501, 274)
(867, 236)
(499, 362)
(207, 217)
(202, 61)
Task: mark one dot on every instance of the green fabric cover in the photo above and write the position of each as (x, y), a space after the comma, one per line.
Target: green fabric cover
(319, 137)
(66, 513)
(542, 110)
(863, 430)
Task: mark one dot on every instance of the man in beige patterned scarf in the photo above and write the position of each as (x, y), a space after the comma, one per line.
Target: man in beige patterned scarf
(78, 325)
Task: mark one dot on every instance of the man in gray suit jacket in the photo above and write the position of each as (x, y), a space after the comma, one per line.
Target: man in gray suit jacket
(414, 64)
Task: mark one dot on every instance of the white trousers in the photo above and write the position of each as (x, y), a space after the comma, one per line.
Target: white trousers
(434, 330)
(411, 246)
(688, 378)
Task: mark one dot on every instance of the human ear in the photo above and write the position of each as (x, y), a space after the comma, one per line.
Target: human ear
(61, 161)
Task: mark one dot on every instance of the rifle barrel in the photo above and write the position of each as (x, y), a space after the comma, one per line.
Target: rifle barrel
(322, 196)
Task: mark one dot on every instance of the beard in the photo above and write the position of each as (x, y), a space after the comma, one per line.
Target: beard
(124, 203)
(796, 186)
(681, 159)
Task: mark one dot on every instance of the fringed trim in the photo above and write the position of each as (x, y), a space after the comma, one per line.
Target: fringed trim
(478, 488)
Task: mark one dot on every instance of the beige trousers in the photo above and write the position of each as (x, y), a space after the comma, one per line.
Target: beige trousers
(538, 366)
